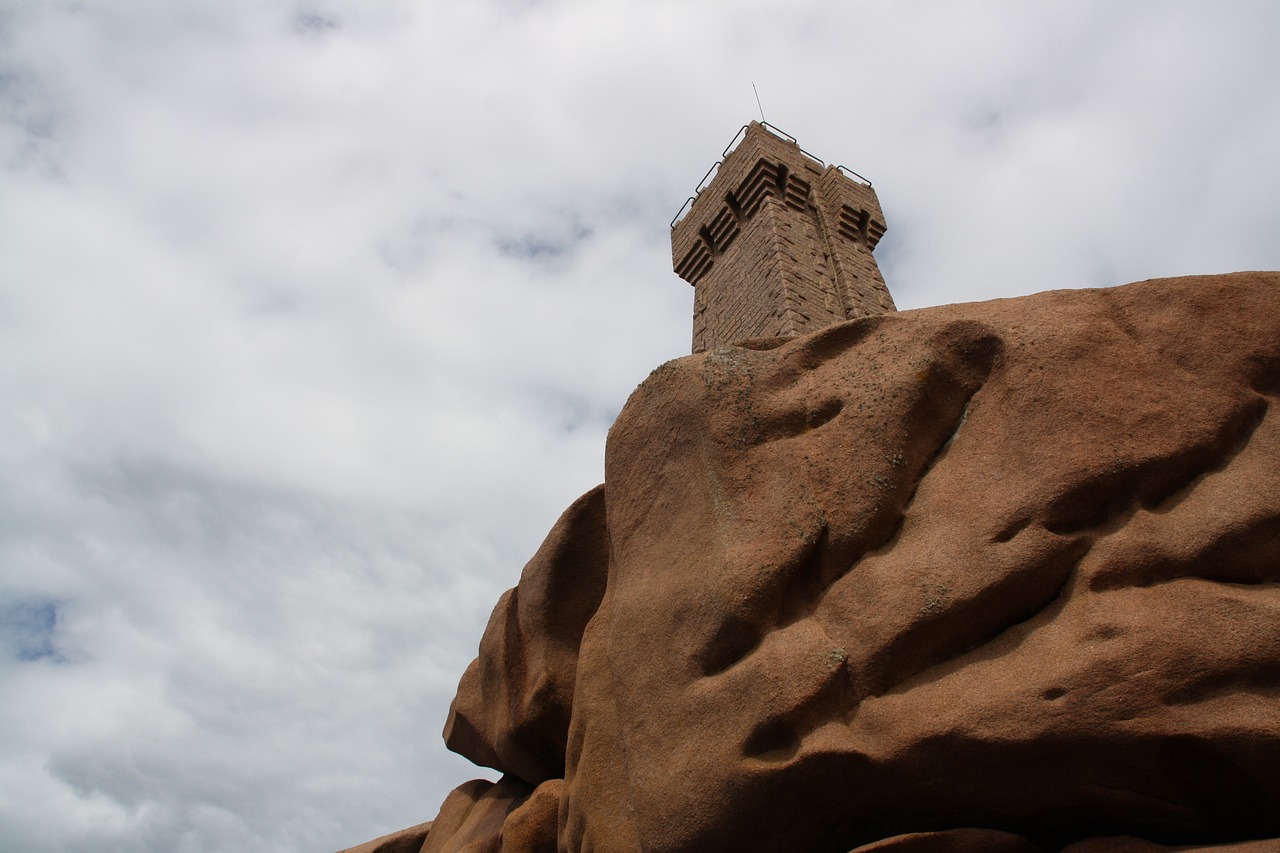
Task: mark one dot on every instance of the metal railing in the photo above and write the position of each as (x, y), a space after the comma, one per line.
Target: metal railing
(852, 174)
(733, 143)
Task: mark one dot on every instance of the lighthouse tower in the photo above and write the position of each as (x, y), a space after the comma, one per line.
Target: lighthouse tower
(778, 243)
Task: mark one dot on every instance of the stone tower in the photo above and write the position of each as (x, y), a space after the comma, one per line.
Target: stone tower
(778, 243)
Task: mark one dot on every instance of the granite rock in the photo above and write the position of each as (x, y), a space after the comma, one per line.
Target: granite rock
(1001, 573)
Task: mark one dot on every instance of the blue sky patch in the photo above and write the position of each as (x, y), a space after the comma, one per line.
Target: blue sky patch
(27, 627)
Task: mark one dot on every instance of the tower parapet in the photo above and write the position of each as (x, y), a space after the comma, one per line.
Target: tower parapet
(778, 243)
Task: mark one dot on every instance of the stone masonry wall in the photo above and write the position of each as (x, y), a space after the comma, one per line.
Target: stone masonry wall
(778, 244)
(851, 212)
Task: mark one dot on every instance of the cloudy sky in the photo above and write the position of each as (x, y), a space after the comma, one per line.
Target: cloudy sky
(314, 315)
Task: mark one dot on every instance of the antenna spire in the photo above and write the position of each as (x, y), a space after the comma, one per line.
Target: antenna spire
(753, 88)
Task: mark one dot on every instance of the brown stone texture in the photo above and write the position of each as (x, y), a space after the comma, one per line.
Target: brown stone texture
(778, 244)
(508, 816)
(997, 576)
(405, 841)
(533, 827)
(513, 704)
(966, 840)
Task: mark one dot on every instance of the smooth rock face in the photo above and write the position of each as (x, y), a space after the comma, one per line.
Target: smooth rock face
(1003, 570)
(513, 704)
(408, 840)
(473, 815)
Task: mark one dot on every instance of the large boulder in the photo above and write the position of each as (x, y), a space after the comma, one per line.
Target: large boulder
(513, 704)
(996, 574)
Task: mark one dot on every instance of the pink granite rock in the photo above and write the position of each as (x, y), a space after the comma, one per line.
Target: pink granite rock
(1002, 571)
(513, 706)
(405, 841)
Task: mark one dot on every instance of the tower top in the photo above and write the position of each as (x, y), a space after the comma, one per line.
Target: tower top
(775, 242)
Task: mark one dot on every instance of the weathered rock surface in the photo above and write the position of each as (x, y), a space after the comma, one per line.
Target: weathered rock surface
(514, 702)
(998, 576)
(405, 841)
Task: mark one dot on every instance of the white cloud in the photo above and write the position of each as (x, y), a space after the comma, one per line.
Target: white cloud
(313, 316)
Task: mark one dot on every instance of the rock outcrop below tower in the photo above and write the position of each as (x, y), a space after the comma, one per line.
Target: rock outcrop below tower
(997, 576)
